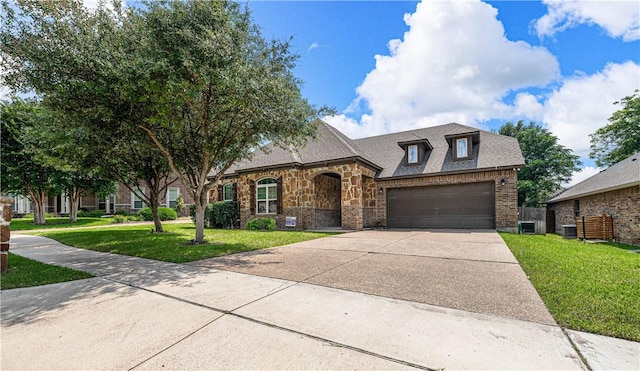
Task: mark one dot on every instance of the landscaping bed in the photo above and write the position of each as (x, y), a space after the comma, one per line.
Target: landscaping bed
(25, 224)
(587, 287)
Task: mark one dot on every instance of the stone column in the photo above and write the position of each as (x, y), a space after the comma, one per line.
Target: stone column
(5, 232)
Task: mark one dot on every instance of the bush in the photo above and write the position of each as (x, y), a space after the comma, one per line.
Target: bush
(164, 213)
(30, 215)
(91, 214)
(121, 212)
(134, 218)
(119, 219)
(225, 214)
(260, 224)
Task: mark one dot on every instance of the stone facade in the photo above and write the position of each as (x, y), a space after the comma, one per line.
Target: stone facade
(623, 204)
(348, 195)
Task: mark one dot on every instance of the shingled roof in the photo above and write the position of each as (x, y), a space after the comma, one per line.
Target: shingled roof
(385, 155)
(623, 174)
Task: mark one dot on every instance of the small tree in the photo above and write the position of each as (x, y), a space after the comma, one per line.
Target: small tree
(21, 172)
(621, 137)
(547, 164)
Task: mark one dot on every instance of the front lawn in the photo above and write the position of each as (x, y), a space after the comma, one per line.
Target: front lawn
(23, 272)
(174, 244)
(25, 224)
(587, 287)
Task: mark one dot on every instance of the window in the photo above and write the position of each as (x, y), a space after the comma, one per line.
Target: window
(172, 196)
(576, 208)
(267, 195)
(461, 148)
(107, 203)
(14, 206)
(136, 202)
(227, 192)
(412, 154)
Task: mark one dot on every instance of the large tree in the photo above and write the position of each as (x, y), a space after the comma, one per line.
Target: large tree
(213, 89)
(547, 164)
(21, 173)
(621, 137)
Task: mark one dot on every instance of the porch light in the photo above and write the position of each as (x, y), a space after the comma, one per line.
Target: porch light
(503, 182)
(381, 190)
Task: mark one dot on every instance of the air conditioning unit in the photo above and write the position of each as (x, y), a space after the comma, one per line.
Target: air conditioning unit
(527, 227)
(569, 231)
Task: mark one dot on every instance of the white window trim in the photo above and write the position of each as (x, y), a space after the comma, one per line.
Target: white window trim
(415, 147)
(169, 189)
(135, 196)
(466, 141)
(267, 199)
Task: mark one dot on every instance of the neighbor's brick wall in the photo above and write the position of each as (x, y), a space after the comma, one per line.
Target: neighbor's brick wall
(623, 204)
(506, 197)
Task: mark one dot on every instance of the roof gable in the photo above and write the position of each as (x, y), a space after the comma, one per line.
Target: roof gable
(623, 174)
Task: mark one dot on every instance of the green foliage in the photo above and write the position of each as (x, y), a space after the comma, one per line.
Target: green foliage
(119, 218)
(224, 214)
(260, 224)
(121, 212)
(164, 213)
(24, 224)
(30, 216)
(179, 204)
(91, 214)
(587, 287)
(207, 214)
(24, 272)
(547, 164)
(621, 137)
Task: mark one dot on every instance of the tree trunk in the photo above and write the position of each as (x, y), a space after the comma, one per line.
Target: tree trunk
(74, 203)
(39, 199)
(154, 211)
(201, 205)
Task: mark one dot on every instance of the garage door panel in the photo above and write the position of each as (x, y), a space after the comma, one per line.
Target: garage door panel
(469, 206)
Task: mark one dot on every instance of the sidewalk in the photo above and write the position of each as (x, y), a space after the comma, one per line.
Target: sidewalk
(139, 313)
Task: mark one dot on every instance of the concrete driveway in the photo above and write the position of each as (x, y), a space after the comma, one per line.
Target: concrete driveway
(143, 314)
(468, 270)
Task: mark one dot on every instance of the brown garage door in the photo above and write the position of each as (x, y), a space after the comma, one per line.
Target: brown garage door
(449, 206)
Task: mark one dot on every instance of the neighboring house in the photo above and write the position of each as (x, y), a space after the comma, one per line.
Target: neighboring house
(122, 199)
(614, 191)
(448, 176)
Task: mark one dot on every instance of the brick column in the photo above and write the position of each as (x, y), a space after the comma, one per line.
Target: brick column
(5, 232)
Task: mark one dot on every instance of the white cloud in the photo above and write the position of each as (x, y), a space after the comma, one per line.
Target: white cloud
(454, 64)
(314, 45)
(617, 18)
(587, 172)
(584, 103)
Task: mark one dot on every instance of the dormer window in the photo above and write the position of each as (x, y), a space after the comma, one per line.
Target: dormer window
(462, 144)
(462, 148)
(416, 151)
(412, 154)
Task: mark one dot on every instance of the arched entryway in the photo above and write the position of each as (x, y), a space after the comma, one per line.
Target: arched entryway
(327, 197)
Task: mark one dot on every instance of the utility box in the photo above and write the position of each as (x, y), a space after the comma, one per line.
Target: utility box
(569, 231)
(527, 227)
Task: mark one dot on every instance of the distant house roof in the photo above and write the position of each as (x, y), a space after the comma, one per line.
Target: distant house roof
(385, 153)
(623, 174)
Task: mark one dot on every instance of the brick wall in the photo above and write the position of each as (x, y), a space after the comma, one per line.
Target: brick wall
(623, 204)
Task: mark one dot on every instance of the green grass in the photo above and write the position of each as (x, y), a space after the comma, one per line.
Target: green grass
(26, 224)
(587, 287)
(23, 272)
(174, 244)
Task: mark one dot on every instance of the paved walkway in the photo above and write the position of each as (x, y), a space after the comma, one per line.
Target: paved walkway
(145, 314)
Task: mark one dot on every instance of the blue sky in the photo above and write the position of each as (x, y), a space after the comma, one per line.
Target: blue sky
(393, 66)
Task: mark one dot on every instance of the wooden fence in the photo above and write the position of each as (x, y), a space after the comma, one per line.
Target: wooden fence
(595, 227)
(536, 215)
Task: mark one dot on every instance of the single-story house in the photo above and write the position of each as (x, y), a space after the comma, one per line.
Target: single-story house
(448, 176)
(614, 191)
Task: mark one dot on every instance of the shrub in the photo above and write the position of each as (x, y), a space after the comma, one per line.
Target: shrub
(224, 214)
(91, 214)
(121, 212)
(179, 204)
(260, 224)
(134, 218)
(119, 219)
(30, 215)
(164, 213)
